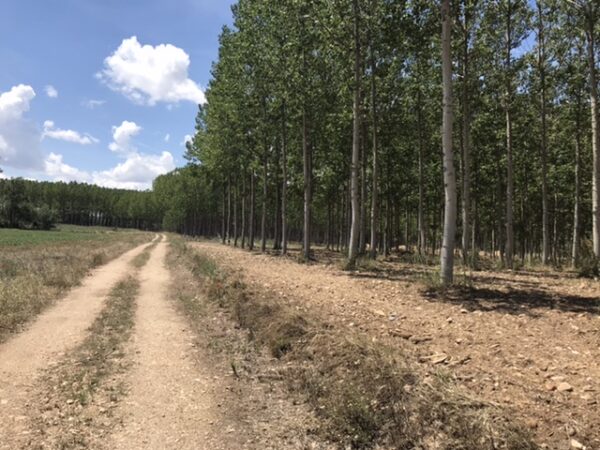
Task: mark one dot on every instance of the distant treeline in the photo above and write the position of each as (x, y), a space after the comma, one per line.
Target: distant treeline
(33, 204)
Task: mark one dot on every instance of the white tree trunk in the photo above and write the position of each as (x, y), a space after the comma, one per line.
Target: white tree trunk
(354, 187)
(447, 254)
(595, 132)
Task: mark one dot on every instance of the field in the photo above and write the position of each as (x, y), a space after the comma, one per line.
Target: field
(194, 344)
(36, 267)
(62, 234)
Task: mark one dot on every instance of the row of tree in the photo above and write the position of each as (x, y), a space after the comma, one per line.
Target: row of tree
(323, 124)
(341, 122)
(33, 204)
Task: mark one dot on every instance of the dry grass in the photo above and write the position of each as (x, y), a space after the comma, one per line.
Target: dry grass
(365, 393)
(140, 260)
(32, 277)
(79, 394)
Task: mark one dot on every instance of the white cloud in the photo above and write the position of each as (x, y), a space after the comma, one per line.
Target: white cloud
(67, 135)
(14, 103)
(187, 138)
(93, 104)
(20, 146)
(51, 91)
(59, 171)
(167, 137)
(148, 75)
(3, 145)
(136, 172)
(122, 136)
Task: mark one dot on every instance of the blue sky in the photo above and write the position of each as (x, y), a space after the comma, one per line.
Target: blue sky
(103, 91)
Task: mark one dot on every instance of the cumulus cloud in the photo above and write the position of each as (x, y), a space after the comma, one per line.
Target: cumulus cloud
(122, 136)
(14, 103)
(167, 137)
(51, 91)
(20, 143)
(93, 104)
(149, 74)
(60, 171)
(50, 131)
(136, 172)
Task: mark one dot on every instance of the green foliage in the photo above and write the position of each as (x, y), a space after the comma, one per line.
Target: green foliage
(40, 205)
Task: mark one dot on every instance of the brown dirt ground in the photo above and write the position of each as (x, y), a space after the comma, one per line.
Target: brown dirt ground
(48, 338)
(528, 341)
(182, 397)
(169, 404)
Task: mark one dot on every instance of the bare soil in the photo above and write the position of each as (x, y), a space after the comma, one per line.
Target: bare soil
(171, 403)
(527, 341)
(46, 340)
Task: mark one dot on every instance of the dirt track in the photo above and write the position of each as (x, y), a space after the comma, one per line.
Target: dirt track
(171, 404)
(527, 342)
(47, 339)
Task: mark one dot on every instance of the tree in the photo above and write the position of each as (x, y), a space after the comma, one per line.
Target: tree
(356, 127)
(447, 255)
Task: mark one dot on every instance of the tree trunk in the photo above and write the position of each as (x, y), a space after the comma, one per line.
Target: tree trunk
(252, 210)
(466, 142)
(363, 192)
(307, 162)
(544, 140)
(375, 187)
(577, 207)
(510, 238)
(229, 209)
(235, 214)
(224, 221)
(447, 253)
(421, 224)
(263, 222)
(354, 188)
(244, 195)
(591, 38)
(284, 181)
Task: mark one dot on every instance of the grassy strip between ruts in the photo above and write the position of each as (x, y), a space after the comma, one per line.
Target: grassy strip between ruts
(140, 260)
(78, 395)
(33, 277)
(365, 394)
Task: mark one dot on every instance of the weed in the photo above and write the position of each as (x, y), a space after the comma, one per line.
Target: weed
(366, 394)
(33, 276)
(87, 376)
(140, 260)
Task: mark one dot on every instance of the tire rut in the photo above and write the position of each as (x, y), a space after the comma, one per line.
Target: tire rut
(169, 405)
(48, 338)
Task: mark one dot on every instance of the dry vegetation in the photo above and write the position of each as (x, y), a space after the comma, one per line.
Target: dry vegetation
(36, 268)
(78, 396)
(245, 376)
(365, 393)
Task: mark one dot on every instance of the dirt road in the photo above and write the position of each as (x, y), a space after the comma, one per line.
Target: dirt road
(530, 342)
(173, 392)
(172, 403)
(47, 339)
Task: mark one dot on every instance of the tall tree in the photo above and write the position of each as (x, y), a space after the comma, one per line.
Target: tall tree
(356, 128)
(541, 62)
(447, 255)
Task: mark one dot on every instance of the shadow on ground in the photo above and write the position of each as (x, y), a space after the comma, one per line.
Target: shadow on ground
(515, 301)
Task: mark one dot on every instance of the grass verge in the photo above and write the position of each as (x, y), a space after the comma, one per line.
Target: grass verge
(32, 277)
(140, 260)
(365, 394)
(80, 393)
